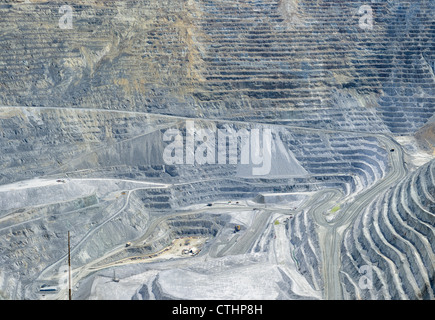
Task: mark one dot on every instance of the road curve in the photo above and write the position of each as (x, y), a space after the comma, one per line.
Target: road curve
(334, 230)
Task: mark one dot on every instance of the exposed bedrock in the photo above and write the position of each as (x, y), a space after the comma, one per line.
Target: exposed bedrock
(302, 62)
(306, 249)
(130, 146)
(394, 239)
(84, 111)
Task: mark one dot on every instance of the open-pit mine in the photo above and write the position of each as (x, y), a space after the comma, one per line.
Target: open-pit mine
(217, 149)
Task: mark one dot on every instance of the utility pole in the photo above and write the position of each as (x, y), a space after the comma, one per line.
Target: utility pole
(69, 268)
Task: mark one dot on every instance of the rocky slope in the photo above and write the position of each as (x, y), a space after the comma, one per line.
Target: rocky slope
(300, 62)
(83, 112)
(394, 237)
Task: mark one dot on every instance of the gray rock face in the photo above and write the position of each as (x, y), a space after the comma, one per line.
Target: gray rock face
(394, 238)
(275, 60)
(84, 112)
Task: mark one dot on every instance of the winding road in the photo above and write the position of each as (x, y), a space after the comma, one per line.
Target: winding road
(330, 230)
(331, 233)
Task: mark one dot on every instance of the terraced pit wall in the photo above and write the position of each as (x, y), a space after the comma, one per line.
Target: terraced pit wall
(394, 240)
(300, 62)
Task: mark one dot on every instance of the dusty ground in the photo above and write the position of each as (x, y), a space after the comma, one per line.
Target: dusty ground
(174, 251)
